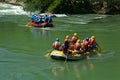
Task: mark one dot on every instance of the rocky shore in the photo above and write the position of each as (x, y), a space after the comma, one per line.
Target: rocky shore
(14, 2)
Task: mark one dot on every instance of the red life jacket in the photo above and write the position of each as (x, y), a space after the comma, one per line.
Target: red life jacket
(72, 47)
(74, 39)
(77, 46)
(91, 41)
(85, 44)
(56, 44)
(66, 41)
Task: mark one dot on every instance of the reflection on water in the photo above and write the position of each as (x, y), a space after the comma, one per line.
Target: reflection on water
(37, 32)
(22, 50)
(56, 70)
(83, 69)
(77, 69)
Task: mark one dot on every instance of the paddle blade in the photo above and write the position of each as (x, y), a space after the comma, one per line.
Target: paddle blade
(29, 24)
(88, 57)
(99, 49)
(47, 55)
(98, 53)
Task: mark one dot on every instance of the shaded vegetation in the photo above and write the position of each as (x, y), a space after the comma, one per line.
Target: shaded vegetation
(73, 6)
(59, 6)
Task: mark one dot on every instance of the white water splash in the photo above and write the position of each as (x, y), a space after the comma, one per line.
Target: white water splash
(60, 15)
(100, 16)
(8, 9)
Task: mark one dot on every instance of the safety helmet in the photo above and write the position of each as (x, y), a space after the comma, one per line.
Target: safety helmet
(46, 15)
(87, 38)
(67, 36)
(75, 34)
(57, 39)
(93, 37)
(78, 41)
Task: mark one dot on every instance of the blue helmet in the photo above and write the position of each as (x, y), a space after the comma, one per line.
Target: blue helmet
(87, 38)
(32, 17)
(57, 39)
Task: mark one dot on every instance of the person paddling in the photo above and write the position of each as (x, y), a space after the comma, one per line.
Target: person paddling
(66, 44)
(85, 44)
(74, 38)
(50, 20)
(92, 43)
(77, 47)
(57, 44)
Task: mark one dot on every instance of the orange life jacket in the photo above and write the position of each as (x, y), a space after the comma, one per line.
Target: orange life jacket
(91, 41)
(66, 41)
(72, 47)
(74, 39)
(77, 46)
(56, 44)
(85, 44)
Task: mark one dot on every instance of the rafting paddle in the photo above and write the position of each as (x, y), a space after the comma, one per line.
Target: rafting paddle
(29, 24)
(47, 55)
(65, 60)
(87, 55)
(97, 52)
(99, 48)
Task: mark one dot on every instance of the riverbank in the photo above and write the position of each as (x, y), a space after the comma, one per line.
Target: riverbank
(76, 7)
(13, 2)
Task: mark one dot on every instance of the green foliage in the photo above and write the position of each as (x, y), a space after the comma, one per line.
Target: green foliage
(53, 5)
(69, 6)
(73, 7)
(32, 5)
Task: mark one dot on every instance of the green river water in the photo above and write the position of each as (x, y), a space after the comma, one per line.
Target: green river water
(22, 48)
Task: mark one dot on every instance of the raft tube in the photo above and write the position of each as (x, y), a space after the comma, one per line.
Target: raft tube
(70, 56)
(41, 25)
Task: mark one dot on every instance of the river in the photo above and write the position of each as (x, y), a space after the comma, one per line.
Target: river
(22, 48)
